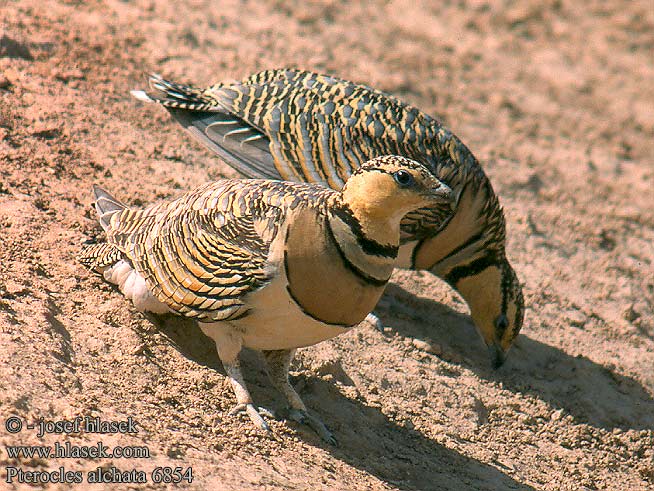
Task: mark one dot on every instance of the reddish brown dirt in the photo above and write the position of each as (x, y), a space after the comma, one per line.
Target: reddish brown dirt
(557, 101)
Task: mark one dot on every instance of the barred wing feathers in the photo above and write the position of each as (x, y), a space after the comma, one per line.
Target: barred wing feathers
(301, 126)
(201, 253)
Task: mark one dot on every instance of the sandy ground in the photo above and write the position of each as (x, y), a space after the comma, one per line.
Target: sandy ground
(556, 100)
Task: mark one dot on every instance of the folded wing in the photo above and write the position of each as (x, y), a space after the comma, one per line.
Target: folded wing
(302, 126)
(202, 253)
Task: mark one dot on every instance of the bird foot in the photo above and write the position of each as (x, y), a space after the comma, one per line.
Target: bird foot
(303, 417)
(255, 414)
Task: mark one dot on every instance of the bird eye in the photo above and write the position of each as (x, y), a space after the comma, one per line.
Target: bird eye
(403, 178)
(501, 323)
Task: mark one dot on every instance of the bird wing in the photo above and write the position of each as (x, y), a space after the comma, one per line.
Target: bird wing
(302, 126)
(202, 253)
(296, 125)
(321, 128)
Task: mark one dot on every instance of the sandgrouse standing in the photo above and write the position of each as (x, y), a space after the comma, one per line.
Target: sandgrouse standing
(242, 257)
(301, 126)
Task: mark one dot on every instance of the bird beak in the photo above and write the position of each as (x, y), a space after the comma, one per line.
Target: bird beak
(497, 355)
(443, 193)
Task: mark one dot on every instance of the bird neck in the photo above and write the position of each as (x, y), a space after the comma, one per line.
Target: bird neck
(368, 241)
(364, 204)
(335, 273)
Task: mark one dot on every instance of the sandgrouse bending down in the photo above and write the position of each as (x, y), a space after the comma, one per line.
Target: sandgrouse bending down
(242, 257)
(302, 126)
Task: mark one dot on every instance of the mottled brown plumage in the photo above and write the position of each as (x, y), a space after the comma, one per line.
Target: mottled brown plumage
(302, 126)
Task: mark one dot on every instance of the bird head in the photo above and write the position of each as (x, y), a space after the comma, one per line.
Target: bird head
(494, 296)
(389, 187)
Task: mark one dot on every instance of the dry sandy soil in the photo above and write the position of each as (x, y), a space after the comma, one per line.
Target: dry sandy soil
(556, 100)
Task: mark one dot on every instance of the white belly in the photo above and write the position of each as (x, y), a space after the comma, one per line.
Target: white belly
(133, 286)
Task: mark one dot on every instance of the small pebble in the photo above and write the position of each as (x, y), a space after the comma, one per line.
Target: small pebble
(67, 75)
(11, 76)
(333, 369)
(428, 347)
(576, 318)
(630, 313)
(138, 350)
(174, 452)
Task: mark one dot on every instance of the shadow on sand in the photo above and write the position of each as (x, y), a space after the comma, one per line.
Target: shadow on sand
(591, 393)
(402, 457)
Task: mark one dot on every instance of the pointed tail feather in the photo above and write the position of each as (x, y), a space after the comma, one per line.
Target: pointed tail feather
(106, 206)
(141, 96)
(243, 146)
(174, 95)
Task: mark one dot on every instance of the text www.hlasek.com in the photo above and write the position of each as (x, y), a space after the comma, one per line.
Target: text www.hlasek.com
(68, 451)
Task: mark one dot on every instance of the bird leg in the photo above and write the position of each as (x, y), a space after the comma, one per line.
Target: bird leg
(228, 344)
(243, 397)
(278, 363)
